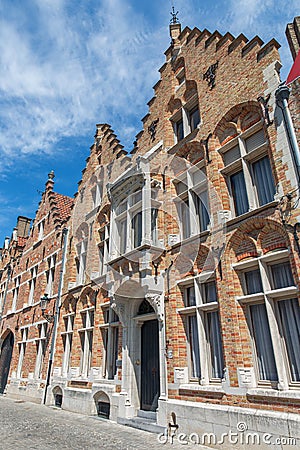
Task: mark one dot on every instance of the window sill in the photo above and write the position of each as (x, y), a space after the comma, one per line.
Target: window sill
(136, 251)
(248, 214)
(190, 239)
(92, 213)
(189, 137)
(214, 388)
(293, 393)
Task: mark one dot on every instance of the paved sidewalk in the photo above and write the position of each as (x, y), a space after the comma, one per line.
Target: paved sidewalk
(30, 426)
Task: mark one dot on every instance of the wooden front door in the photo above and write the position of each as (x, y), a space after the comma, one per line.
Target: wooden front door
(150, 366)
(5, 360)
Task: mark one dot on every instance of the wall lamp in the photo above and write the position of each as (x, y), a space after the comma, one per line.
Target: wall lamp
(43, 305)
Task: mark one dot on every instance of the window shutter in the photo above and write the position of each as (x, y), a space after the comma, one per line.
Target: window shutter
(232, 155)
(255, 141)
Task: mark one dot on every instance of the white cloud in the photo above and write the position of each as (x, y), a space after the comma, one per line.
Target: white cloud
(74, 70)
(65, 67)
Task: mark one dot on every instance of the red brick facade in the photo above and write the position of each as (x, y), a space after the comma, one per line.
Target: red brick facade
(201, 221)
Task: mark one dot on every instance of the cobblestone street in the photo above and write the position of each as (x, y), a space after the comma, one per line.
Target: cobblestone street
(30, 426)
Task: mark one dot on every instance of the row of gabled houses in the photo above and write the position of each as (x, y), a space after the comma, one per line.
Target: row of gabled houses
(165, 295)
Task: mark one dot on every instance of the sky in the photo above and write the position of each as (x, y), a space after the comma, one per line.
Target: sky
(66, 66)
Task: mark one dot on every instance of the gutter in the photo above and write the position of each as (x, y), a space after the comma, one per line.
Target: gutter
(282, 95)
(56, 313)
(9, 271)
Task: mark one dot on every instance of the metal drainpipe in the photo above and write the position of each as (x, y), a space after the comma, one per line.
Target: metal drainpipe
(282, 95)
(56, 314)
(9, 271)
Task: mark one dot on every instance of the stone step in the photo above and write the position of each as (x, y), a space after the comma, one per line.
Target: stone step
(147, 414)
(141, 423)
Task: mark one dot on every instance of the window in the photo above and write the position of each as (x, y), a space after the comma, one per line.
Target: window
(16, 292)
(97, 195)
(203, 331)
(41, 226)
(186, 120)
(154, 229)
(179, 130)
(122, 226)
(86, 340)
(50, 275)
(274, 317)
(193, 340)
(192, 201)
(22, 350)
(137, 229)
(32, 284)
(248, 171)
(67, 337)
(81, 262)
(110, 337)
(103, 249)
(40, 343)
(180, 77)
(194, 116)
(263, 343)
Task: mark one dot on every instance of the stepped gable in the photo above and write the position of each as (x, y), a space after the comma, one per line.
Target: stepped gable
(194, 52)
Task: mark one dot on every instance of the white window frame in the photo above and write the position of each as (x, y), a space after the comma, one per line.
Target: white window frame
(96, 192)
(184, 115)
(50, 274)
(86, 340)
(244, 163)
(15, 291)
(81, 258)
(189, 193)
(110, 336)
(202, 308)
(22, 350)
(41, 227)
(40, 349)
(32, 284)
(67, 337)
(270, 297)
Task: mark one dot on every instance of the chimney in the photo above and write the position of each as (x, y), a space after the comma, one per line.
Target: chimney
(23, 226)
(50, 182)
(175, 30)
(15, 234)
(6, 243)
(293, 36)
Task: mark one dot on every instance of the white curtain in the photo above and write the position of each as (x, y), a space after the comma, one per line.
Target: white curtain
(282, 275)
(215, 344)
(210, 292)
(290, 318)
(253, 282)
(194, 346)
(264, 181)
(239, 193)
(263, 343)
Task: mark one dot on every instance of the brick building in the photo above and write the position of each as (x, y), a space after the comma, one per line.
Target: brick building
(180, 300)
(30, 267)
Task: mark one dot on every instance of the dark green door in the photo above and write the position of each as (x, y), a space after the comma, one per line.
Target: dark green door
(5, 360)
(150, 366)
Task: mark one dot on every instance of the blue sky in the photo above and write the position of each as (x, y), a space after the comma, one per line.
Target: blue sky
(65, 66)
